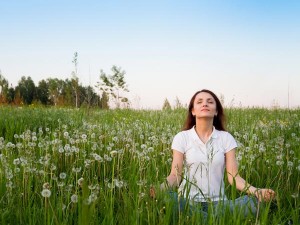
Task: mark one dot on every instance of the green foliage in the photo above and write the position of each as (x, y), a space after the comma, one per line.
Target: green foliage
(166, 105)
(114, 86)
(99, 165)
(27, 90)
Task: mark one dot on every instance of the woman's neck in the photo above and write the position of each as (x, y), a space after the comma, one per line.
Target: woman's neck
(204, 131)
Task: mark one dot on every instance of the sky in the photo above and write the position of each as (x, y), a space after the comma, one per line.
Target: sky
(247, 51)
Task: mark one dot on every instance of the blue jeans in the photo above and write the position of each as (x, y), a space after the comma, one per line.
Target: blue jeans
(244, 206)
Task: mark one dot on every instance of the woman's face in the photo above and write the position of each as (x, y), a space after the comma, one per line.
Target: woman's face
(204, 106)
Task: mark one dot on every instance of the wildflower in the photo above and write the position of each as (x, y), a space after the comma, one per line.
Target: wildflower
(279, 163)
(66, 134)
(34, 138)
(107, 158)
(295, 195)
(46, 193)
(61, 149)
(98, 158)
(141, 182)
(115, 139)
(74, 198)
(46, 185)
(9, 184)
(290, 164)
(62, 175)
(76, 170)
(119, 183)
(142, 195)
(80, 181)
(113, 153)
(60, 184)
(16, 161)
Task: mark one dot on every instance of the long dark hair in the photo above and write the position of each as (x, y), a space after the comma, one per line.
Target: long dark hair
(219, 120)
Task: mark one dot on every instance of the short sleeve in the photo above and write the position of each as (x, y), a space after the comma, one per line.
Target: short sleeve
(229, 143)
(179, 143)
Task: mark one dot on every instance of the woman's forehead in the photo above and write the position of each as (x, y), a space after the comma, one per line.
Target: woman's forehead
(204, 95)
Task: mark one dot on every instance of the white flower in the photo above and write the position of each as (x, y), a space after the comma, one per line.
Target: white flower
(80, 181)
(16, 161)
(113, 153)
(46, 193)
(74, 198)
(62, 175)
(295, 195)
(76, 170)
(46, 185)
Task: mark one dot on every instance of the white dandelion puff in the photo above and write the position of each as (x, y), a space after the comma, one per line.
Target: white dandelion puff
(46, 193)
(62, 175)
(74, 198)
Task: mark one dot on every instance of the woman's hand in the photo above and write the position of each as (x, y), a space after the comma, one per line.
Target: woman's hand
(264, 194)
(152, 192)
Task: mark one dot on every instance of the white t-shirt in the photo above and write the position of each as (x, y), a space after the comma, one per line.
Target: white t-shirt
(204, 164)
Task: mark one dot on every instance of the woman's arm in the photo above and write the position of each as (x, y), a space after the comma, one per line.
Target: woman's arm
(241, 184)
(174, 179)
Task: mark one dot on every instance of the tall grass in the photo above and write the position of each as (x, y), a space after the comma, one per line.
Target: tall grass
(66, 166)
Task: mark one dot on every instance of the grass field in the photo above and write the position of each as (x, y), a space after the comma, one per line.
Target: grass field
(68, 166)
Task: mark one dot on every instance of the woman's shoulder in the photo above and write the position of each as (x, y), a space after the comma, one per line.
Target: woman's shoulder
(184, 133)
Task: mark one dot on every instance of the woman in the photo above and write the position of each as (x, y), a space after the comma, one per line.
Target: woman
(201, 152)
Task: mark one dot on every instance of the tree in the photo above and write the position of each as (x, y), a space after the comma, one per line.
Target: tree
(104, 101)
(3, 89)
(56, 88)
(89, 97)
(166, 105)
(26, 89)
(114, 86)
(10, 95)
(178, 104)
(42, 91)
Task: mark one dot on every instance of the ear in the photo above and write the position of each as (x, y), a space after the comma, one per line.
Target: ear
(192, 111)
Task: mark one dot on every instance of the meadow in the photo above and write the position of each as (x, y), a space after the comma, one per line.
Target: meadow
(74, 166)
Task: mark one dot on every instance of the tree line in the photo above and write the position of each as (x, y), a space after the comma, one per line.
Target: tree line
(69, 92)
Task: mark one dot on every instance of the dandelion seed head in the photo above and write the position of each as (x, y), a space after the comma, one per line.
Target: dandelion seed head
(46, 193)
(46, 185)
(295, 195)
(80, 181)
(62, 175)
(76, 169)
(279, 163)
(113, 153)
(60, 184)
(74, 198)
(16, 161)
(9, 184)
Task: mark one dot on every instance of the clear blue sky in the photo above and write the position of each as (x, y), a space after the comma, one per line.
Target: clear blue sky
(246, 50)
